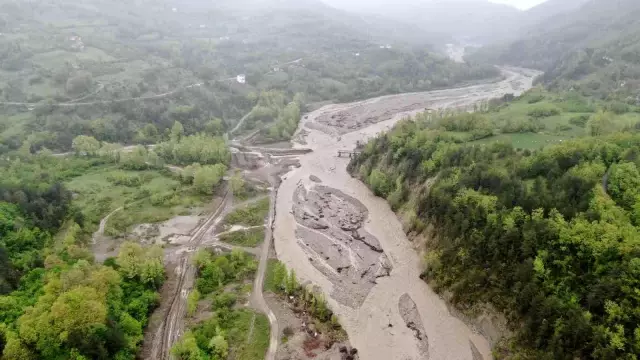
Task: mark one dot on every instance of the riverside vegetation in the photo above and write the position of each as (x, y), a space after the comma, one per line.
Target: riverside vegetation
(222, 284)
(532, 204)
(549, 236)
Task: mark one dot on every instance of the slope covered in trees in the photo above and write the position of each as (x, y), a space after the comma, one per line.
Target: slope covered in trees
(55, 301)
(550, 237)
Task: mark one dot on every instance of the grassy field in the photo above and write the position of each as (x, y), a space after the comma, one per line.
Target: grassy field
(248, 344)
(247, 238)
(529, 141)
(147, 197)
(250, 215)
(540, 118)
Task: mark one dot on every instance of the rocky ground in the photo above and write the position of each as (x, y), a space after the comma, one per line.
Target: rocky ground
(330, 230)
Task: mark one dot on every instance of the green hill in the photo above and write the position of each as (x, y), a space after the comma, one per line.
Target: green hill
(190, 53)
(594, 51)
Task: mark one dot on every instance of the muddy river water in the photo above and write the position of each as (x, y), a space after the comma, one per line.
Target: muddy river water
(337, 235)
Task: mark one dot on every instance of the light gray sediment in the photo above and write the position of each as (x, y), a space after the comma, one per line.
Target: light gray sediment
(409, 313)
(330, 231)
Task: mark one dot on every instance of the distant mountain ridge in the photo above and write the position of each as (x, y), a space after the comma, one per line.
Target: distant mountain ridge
(595, 50)
(471, 21)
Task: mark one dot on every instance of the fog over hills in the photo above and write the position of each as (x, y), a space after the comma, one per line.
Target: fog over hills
(475, 21)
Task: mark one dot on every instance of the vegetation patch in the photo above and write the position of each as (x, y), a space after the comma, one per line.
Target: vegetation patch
(548, 237)
(247, 238)
(146, 196)
(303, 299)
(231, 331)
(250, 215)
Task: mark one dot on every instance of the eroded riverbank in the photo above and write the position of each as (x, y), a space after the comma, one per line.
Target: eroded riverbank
(388, 313)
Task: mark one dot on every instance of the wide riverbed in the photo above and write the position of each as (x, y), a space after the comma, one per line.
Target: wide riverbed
(336, 234)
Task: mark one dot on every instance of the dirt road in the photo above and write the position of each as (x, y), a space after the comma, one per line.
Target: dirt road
(400, 317)
(102, 102)
(172, 326)
(257, 296)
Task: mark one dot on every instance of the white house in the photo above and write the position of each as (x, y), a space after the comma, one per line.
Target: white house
(242, 79)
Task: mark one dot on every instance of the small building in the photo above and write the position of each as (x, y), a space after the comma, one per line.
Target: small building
(203, 26)
(357, 54)
(174, 9)
(241, 79)
(76, 42)
(276, 69)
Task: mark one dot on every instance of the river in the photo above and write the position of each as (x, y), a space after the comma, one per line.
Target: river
(377, 326)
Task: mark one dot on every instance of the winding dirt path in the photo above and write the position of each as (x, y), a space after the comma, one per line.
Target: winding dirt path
(98, 102)
(386, 325)
(257, 296)
(172, 326)
(103, 224)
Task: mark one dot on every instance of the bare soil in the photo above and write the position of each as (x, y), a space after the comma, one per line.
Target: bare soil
(301, 341)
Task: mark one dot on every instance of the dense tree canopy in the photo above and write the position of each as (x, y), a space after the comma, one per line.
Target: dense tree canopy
(550, 238)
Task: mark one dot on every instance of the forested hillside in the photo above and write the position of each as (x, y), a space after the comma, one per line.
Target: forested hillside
(55, 301)
(594, 51)
(549, 237)
(125, 71)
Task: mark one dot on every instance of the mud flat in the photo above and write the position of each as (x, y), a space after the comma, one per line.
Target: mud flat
(340, 119)
(330, 230)
(370, 312)
(409, 312)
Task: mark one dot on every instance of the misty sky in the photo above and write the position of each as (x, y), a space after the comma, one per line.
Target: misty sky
(520, 4)
(354, 4)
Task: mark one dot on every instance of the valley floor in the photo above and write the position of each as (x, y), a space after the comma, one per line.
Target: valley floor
(335, 233)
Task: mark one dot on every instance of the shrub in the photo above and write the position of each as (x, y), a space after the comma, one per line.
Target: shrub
(580, 120)
(544, 111)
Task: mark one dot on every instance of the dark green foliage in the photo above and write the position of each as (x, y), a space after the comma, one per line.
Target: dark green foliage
(214, 272)
(534, 234)
(48, 281)
(580, 120)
